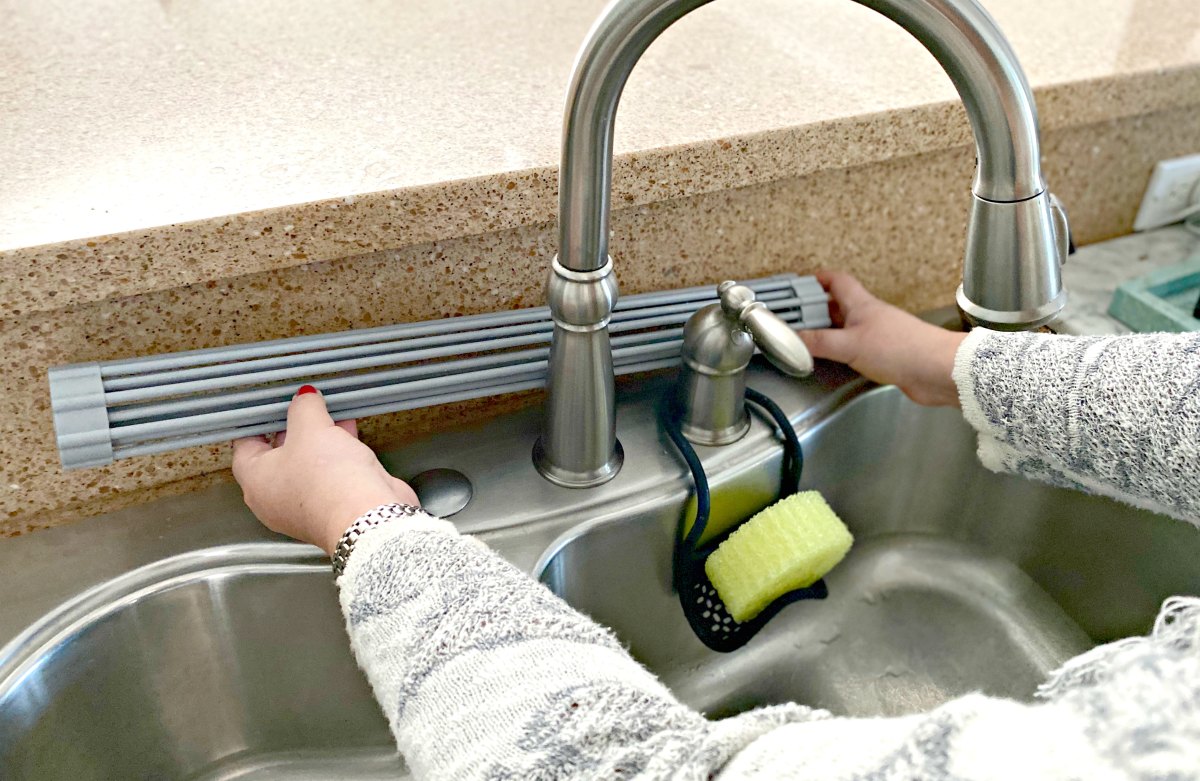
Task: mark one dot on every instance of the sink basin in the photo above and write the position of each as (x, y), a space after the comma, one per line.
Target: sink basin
(177, 671)
(172, 641)
(960, 580)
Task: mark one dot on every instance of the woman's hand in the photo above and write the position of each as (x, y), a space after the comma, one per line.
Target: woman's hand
(886, 344)
(316, 478)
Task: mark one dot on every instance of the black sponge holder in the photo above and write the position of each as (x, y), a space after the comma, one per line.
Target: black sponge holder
(705, 612)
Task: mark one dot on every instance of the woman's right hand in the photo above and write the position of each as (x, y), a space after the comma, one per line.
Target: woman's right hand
(886, 344)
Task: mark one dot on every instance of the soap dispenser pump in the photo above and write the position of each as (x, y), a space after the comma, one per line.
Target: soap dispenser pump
(718, 342)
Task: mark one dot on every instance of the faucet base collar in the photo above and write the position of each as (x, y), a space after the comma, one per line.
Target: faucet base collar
(1026, 320)
(569, 479)
(699, 435)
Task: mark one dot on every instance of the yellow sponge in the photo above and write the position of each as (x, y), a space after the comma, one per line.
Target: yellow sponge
(789, 545)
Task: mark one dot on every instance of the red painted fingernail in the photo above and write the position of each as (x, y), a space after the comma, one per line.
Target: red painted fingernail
(305, 389)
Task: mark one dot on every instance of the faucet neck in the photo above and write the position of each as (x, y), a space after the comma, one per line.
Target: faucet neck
(617, 40)
(960, 34)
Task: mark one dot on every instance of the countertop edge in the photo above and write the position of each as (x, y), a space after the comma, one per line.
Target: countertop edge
(78, 271)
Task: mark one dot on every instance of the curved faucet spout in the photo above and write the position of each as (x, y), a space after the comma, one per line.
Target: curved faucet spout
(1015, 244)
(960, 34)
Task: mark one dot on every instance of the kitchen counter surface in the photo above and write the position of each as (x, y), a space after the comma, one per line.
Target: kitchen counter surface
(1093, 273)
(149, 145)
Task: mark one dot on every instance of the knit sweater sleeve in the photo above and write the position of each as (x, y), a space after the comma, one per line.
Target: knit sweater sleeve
(485, 674)
(1117, 416)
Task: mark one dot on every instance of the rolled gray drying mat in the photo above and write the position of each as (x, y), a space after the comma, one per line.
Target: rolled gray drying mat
(139, 406)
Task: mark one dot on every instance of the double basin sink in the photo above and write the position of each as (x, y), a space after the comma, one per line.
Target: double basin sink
(181, 640)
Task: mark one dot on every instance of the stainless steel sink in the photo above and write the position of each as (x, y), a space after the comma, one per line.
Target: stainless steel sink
(179, 640)
(226, 663)
(960, 579)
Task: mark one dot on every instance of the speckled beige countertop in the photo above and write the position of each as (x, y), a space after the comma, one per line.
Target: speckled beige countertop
(183, 175)
(134, 129)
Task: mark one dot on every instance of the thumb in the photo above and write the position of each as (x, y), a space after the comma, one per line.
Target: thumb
(831, 343)
(307, 412)
(245, 451)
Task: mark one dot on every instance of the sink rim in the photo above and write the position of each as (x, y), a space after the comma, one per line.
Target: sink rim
(532, 540)
(546, 534)
(514, 508)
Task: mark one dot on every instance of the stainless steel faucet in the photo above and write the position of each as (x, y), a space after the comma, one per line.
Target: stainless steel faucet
(1016, 241)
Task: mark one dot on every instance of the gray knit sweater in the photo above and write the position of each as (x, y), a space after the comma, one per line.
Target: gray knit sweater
(484, 674)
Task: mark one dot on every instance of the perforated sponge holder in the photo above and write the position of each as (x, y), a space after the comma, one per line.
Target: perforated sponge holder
(709, 408)
(705, 612)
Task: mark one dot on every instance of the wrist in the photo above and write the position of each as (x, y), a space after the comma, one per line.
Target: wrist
(353, 507)
(940, 383)
(928, 373)
(379, 516)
